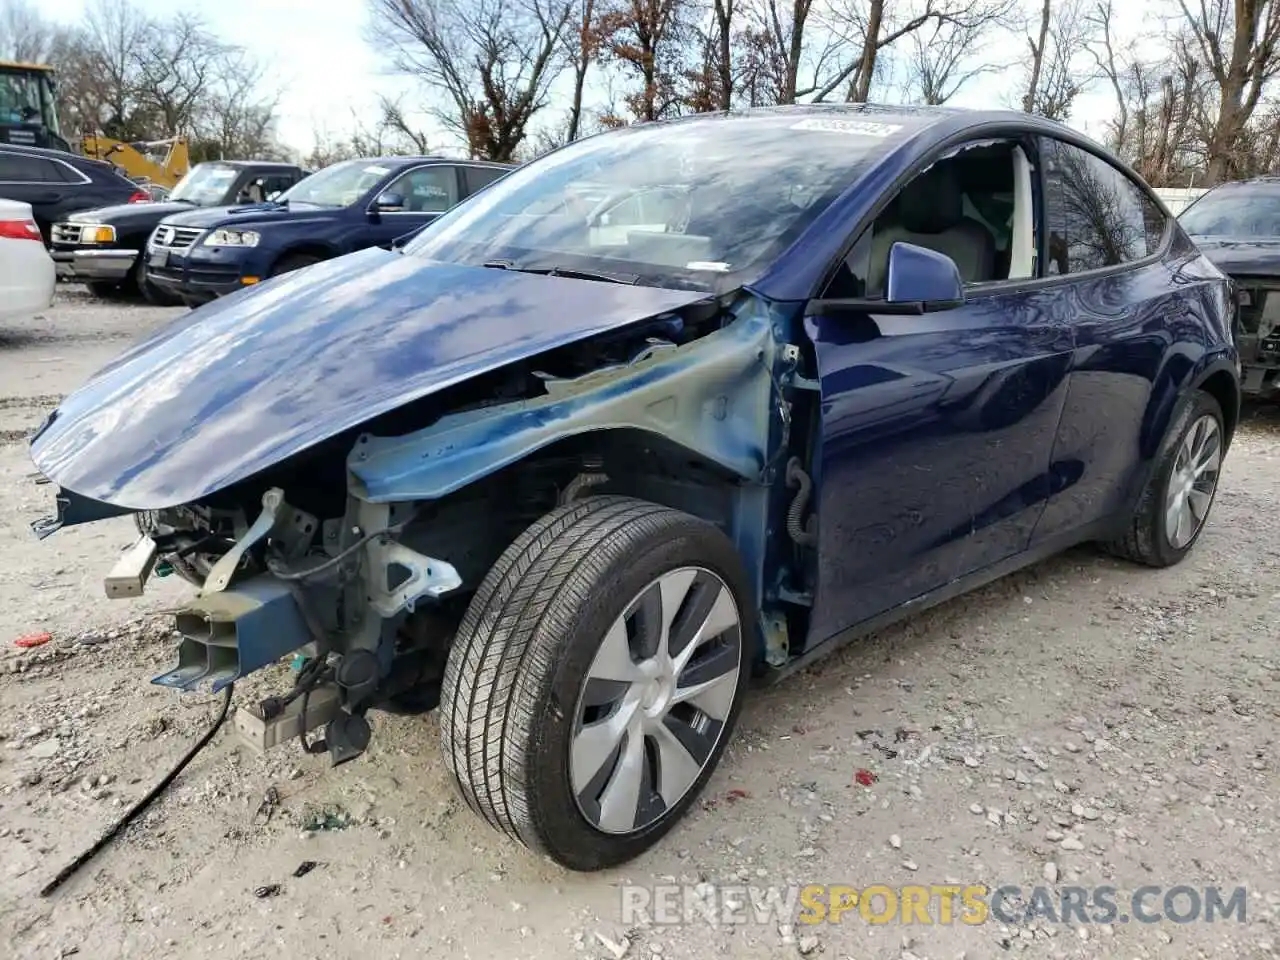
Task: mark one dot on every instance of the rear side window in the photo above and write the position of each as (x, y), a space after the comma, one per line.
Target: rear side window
(479, 177)
(1097, 216)
(19, 168)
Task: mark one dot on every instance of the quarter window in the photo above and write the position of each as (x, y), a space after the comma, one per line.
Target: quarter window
(480, 177)
(17, 168)
(1097, 216)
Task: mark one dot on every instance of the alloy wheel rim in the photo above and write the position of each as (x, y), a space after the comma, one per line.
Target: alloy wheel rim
(654, 704)
(1193, 481)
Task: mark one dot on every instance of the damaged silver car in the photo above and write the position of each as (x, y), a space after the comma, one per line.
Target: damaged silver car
(668, 409)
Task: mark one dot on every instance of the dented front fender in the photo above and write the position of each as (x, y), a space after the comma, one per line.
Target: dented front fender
(711, 396)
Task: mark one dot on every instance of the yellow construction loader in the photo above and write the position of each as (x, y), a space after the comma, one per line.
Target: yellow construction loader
(29, 117)
(153, 163)
(29, 106)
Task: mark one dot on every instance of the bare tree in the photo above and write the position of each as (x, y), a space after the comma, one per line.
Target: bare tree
(494, 61)
(582, 49)
(869, 27)
(646, 38)
(949, 52)
(712, 81)
(177, 66)
(1060, 39)
(1237, 43)
(395, 120)
(25, 36)
(777, 45)
(231, 118)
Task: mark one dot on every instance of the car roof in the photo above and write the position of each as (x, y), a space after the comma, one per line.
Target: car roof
(403, 161)
(74, 159)
(269, 164)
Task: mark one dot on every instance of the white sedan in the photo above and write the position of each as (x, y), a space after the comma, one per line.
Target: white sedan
(27, 276)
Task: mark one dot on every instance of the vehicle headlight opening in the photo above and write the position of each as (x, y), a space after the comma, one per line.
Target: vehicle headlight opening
(97, 233)
(231, 238)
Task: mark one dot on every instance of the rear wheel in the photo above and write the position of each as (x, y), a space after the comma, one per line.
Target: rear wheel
(596, 678)
(1172, 510)
(293, 261)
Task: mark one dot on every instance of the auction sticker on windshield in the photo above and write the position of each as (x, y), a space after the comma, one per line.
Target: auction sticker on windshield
(865, 128)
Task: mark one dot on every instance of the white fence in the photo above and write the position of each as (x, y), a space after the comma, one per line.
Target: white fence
(1178, 199)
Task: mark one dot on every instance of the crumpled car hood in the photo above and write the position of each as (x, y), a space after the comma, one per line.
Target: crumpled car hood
(247, 381)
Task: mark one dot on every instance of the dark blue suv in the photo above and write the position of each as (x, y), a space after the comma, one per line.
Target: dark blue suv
(199, 255)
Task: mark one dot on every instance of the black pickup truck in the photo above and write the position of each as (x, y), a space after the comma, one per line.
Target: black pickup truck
(104, 247)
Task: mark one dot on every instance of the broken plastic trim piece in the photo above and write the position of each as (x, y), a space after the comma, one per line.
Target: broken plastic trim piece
(128, 577)
(220, 576)
(74, 509)
(428, 577)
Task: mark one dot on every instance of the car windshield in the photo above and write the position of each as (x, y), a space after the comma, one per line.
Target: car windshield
(339, 185)
(205, 184)
(1243, 211)
(705, 203)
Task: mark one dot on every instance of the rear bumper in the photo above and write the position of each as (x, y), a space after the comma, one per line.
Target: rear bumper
(30, 289)
(93, 265)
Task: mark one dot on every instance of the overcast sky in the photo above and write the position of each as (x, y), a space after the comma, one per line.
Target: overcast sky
(316, 53)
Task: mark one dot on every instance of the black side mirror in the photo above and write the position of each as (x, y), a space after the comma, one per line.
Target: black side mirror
(388, 203)
(922, 276)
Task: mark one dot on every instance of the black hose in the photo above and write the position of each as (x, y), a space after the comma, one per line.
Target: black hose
(70, 869)
(796, 529)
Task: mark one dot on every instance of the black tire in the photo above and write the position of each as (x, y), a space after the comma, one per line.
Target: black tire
(148, 290)
(1147, 538)
(293, 261)
(104, 289)
(510, 696)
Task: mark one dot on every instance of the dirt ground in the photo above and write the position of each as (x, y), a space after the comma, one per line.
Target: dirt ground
(1082, 723)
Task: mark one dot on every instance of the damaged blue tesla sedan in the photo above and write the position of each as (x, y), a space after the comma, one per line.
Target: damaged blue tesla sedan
(666, 410)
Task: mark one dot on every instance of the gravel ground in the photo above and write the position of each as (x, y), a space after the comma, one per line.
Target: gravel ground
(1082, 723)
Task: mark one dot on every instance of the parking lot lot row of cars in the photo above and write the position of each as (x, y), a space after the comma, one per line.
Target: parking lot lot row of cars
(227, 224)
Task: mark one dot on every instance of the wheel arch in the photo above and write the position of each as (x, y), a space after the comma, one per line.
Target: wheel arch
(312, 248)
(1179, 377)
(690, 427)
(1220, 381)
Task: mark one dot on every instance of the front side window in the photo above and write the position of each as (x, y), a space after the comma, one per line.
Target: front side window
(427, 189)
(1097, 216)
(1235, 210)
(974, 206)
(339, 185)
(706, 203)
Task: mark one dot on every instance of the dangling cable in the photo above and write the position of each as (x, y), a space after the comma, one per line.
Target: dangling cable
(70, 869)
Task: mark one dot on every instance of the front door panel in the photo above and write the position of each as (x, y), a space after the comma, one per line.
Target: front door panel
(935, 448)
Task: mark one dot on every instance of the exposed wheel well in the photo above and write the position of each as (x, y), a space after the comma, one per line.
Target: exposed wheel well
(1222, 388)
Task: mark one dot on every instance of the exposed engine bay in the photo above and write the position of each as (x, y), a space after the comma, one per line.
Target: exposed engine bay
(350, 558)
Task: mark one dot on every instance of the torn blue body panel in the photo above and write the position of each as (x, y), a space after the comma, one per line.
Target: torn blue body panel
(713, 397)
(242, 384)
